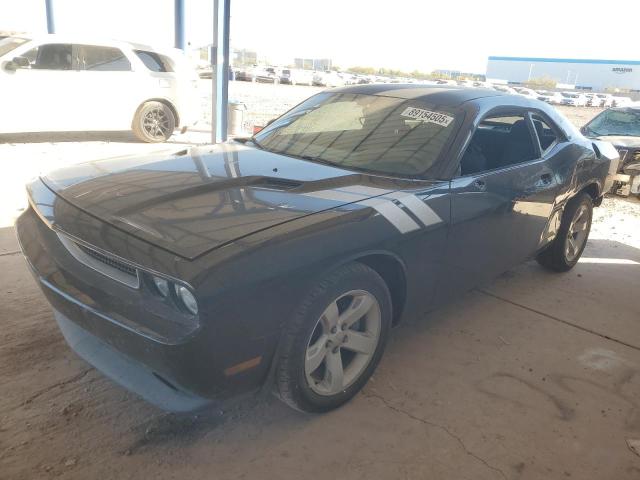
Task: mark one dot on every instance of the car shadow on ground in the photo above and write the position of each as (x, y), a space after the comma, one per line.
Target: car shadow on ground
(93, 417)
(191, 137)
(61, 137)
(613, 260)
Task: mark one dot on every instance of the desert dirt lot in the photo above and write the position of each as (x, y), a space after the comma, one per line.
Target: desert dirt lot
(535, 376)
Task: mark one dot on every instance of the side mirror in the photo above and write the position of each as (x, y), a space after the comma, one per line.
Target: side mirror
(17, 62)
(583, 130)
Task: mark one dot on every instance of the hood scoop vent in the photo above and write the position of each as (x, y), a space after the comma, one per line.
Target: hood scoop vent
(271, 183)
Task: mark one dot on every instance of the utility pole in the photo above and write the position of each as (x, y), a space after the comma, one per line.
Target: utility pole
(179, 24)
(51, 25)
(220, 70)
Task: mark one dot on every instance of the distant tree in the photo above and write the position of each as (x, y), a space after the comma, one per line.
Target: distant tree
(545, 83)
(362, 70)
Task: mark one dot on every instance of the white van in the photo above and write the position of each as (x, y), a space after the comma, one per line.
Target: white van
(55, 83)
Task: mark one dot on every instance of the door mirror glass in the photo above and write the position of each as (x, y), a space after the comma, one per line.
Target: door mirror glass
(21, 62)
(17, 62)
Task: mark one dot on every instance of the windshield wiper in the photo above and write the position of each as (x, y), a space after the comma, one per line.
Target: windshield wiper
(593, 132)
(256, 143)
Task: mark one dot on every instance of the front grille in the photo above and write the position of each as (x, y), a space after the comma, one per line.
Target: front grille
(103, 263)
(112, 262)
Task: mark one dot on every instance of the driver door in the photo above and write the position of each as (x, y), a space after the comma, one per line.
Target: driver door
(501, 202)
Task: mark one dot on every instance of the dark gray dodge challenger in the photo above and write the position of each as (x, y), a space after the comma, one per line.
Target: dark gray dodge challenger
(283, 260)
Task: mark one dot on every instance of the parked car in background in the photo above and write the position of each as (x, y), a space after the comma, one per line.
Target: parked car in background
(554, 98)
(505, 89)
(621, 127)
(292, 76)
(328, 79)
(606, 99)
(526, 92)
(466, 83)
(287, 264)
(267, 75)
(574, 99)
(621, 101)
(246, 74)
(56, 83)
(592, 100)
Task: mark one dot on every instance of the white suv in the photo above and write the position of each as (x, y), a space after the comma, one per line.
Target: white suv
(55, 83)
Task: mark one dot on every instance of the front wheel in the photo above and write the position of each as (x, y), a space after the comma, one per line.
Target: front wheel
(565, 250)
(153, 122)
(335, 340)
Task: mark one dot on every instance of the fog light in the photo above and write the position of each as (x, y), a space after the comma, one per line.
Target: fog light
(162, 285)
(188, 300)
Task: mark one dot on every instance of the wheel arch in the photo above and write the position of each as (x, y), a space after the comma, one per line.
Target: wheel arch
(593, 190)
(392, 271)
(386, 264)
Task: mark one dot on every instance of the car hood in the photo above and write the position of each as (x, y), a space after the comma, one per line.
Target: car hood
(192, 201)
(621, 141)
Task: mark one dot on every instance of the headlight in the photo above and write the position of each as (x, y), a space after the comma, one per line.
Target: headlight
(187, 298)
(162, 285)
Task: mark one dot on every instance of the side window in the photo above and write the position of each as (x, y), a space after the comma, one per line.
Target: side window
(103, 59)
(499, 141)
(546, 134)
(154, 61)
(54, 56)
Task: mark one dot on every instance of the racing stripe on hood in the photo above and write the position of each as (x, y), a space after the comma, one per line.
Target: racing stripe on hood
(391, 205)
(417, 207)
(393, 213)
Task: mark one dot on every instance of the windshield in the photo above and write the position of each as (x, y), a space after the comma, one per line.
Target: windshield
(385, 135)
(569, 95)
(615, 122)
(10, 43)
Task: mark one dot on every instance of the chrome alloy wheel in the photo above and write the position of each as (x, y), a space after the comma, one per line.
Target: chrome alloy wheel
(577, 234)
(156, 123)
(343, 342)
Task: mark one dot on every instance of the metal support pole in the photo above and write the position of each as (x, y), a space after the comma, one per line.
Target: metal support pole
(220, 70)
(179, 24)
(51, 25)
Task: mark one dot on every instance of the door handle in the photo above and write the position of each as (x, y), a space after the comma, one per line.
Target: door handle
(546, 178)
(480, 185)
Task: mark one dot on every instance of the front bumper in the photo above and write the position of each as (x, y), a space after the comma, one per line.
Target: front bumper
(112, 327)
(127, 372)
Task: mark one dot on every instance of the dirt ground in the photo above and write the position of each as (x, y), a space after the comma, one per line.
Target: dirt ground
(535, 376)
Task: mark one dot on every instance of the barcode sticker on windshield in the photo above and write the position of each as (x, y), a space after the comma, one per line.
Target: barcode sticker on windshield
(427, 116)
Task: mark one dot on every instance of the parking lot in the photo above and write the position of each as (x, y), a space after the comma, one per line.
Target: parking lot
(536, 375)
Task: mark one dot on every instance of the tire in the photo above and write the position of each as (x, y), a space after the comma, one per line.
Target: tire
(153, 122)
(565, 250)
(312, 348)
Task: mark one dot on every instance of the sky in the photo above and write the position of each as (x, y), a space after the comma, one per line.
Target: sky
(404, 34)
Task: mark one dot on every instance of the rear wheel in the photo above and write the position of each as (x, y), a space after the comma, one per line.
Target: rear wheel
(565, 250)
(335, 340)
(154, 122)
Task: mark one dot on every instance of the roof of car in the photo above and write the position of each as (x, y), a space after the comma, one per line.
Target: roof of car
(94, 40)
(440, 94)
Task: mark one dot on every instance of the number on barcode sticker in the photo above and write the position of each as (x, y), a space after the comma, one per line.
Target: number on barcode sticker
(427, 116)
